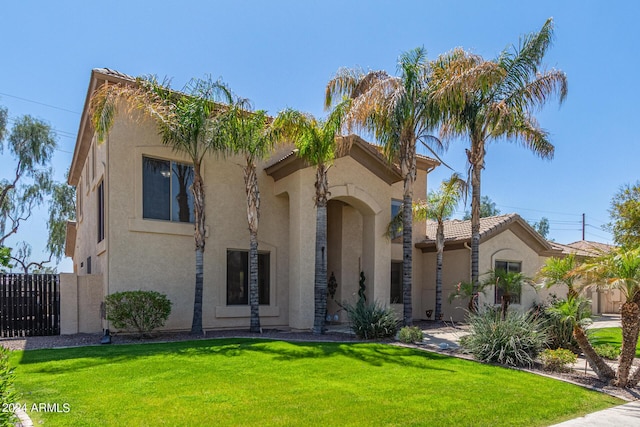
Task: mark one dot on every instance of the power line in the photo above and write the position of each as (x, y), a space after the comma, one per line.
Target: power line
(40, 103)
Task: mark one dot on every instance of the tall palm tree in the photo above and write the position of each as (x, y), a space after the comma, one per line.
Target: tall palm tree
(398, 111)
(620, 269)
(249, 135)
(560, 271)
(188, 122)
(575, 312)
(493, 100)
(317, 144)
(439, 207)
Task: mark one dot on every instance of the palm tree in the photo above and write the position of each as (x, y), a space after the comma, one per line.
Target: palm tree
(620, 269)
(399, 113)
(510, 282)
(249, 135)
(575, 312)
(492, 100)
(560, 271)
(188, 122)
(439, 207)
(317, 144)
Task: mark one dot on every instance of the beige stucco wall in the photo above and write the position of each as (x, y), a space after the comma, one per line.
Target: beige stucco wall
(80, 302)
(505, 246)
(147, 254)
(87, 245)
(159, 255)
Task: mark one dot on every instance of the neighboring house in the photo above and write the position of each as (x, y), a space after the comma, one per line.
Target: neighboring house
(602, 300)
(506, 242)
(134, 225)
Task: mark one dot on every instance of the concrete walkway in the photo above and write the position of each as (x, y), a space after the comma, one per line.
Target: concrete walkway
(627, 415)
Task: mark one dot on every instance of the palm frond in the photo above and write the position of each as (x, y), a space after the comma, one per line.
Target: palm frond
(344, 83)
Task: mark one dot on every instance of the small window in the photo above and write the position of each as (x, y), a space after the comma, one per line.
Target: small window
(166, 190)
(79, 200)
(88, 265)
(238, 277)
(100, 211)
(396, 207)
(396, 282)
(511, 267)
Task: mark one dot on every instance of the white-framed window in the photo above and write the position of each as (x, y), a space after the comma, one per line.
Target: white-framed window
(238, 277)
(511, 267)
(166, 190)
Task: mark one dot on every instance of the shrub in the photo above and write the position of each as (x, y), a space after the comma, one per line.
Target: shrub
(516, 341)
(558, 359)
(607, 351)
(8, 395)
(142, 311)
(371, 321)
(410, 334)
(559, 330)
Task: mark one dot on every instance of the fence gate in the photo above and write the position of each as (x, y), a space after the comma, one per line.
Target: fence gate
(29, 305)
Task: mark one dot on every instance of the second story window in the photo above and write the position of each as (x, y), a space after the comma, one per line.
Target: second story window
(166, 190)
(396, 208)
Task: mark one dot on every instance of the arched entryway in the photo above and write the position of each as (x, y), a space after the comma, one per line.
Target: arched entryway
(351, 247)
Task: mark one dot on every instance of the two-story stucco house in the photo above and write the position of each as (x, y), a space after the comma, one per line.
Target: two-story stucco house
(134, 230)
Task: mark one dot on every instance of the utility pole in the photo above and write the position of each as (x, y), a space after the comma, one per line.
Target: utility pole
(583, 226)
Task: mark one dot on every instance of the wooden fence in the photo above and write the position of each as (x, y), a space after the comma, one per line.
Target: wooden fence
(29, 305)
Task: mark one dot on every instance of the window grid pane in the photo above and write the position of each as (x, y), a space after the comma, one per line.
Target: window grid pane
(238, 277)
(166, 190)
(511, 267)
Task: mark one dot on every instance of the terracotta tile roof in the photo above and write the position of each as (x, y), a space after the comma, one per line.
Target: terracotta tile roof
(583, 248)
(459, 230)
(114, 73)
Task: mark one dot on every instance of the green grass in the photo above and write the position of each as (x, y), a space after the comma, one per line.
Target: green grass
(260, 382)
(611, 336)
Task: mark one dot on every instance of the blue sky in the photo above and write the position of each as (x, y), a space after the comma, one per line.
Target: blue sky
(282, 53)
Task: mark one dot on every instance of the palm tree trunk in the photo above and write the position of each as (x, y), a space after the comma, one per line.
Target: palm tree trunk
(476, 158)
(408, 170)
(199, 232)
(320, 276)
(253, 215)
(407, 260)
(506, 300)
(254, 300)
(439, 256)
(630, 317)
(597, 363)
(320, 283)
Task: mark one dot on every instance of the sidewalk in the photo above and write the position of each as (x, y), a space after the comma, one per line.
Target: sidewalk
(627, 415)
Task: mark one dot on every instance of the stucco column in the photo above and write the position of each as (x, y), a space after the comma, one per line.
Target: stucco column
(376, 262)
(68, 304)
(302, 220)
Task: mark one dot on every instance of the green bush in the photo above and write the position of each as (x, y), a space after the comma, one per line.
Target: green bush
(557, 359)
(8, 395)
(516, 341)
(607, 351)
(372, 321)
(142, 311)
(559, 330)
(410, 334)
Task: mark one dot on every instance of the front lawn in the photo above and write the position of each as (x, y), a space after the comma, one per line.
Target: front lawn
(260, 382)
(611, 336)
